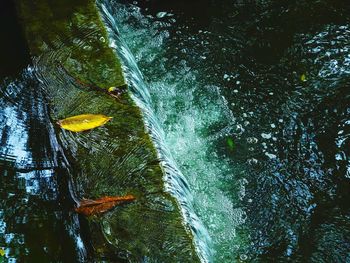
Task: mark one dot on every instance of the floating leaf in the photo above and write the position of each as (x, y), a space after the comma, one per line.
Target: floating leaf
(303, 77)
(230, 143)
(2, 252)
(90, 207)
(83, 122)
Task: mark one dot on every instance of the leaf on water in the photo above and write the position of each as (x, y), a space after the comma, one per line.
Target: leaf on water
(90, 207)
(303, 77)
(83, 122)
(230, 143)
(2, 252)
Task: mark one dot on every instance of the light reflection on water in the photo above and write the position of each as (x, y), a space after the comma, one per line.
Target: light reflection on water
(35, 223)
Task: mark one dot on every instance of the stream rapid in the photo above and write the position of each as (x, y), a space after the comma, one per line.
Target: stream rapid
(248, 105)
(254, 114)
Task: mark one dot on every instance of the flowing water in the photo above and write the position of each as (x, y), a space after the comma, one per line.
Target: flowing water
(248, 104)
(175, 181)
(254, 113)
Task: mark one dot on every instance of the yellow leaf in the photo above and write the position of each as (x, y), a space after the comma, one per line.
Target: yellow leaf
(83, 122)
(111, 89)
(2, 252)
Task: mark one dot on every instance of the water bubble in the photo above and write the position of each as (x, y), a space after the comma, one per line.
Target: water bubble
(243, 257)
(270, 155)
(161, 14)
(252, 140)
(340, 156)
(102, 39)
(239, 129)
(347, 175)
(266, 135)
(87, 48)
(252, 161)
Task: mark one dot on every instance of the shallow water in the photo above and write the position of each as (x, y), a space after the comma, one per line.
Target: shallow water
(116, 159)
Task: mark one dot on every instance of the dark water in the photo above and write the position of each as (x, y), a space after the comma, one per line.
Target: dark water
(36, 213)
(13, 50)
(36, 219)
(254, 99)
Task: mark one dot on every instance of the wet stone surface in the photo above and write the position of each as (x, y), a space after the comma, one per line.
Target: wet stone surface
(73, 71)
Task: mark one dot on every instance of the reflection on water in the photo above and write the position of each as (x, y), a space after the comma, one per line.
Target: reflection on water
(255, 110)
(36, 224)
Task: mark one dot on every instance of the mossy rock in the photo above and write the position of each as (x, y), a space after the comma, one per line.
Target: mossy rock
(76, 66)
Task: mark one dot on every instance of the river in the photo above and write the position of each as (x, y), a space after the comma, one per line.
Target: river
(248, 104)
(253, 99)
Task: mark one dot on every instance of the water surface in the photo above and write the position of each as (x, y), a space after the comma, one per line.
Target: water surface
(253, 103)
(254, 100)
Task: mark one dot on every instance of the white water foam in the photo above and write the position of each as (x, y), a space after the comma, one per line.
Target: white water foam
(175, 181)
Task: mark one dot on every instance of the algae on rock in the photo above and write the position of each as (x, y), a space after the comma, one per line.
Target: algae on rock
(76, 67)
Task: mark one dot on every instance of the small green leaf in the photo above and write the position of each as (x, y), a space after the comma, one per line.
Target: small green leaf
(230, 143)
(303, 77)
(2, 252)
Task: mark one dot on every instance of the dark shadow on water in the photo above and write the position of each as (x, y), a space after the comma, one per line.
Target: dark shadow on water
(14, 54)
(37, 222)
(283, 69)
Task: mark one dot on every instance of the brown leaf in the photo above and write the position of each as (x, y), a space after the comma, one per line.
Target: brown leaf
(90, 207)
